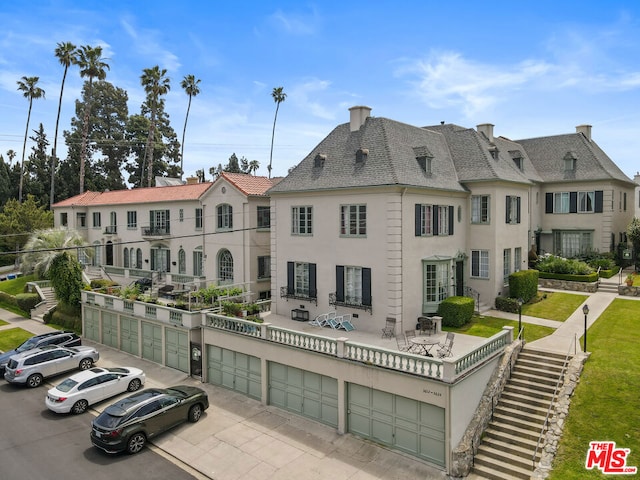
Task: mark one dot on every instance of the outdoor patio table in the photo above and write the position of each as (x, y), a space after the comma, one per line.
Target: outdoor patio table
(425, 344)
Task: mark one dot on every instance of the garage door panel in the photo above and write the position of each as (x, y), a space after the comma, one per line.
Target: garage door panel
(235, 371)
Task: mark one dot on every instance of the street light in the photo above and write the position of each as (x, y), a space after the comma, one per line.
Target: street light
(520, 302)
(585, 310)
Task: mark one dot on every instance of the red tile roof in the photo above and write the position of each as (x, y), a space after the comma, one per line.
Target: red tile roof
(138, 195)
(249, 184)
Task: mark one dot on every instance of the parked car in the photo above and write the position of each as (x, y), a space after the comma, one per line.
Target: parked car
(59, 337)
(32, 366)
(85, 388)
(127, 424)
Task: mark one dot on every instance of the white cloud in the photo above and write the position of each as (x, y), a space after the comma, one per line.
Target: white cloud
(146, 43)
(295, 23)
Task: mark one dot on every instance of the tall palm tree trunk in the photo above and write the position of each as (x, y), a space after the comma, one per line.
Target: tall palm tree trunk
(273, 133)
(150, 148)
(24, 147)
(54, 153)
(85, 135)
(184, 131)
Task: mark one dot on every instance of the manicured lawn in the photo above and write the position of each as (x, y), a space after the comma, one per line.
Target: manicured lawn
(12, 337)
(556, 306)
(485, 326)
(605, 406)
(13, 287)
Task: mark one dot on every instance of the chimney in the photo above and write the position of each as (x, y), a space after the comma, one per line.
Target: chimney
(192, 180)
(487, 130)
(585, 130)
(358, 116)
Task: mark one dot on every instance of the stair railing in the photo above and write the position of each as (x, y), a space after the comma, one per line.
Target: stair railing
(553, 399)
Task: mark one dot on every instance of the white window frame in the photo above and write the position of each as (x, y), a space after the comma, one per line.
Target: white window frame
(586, 202)
(506, 265)
(561, 202)
(302, 220)
(479, 264)
(224, 217)
(426, 220)
(517, 259)
(443, 219)
(480, 209)
(132, 219)
(301, 279)
(353, 285)
(353, 220)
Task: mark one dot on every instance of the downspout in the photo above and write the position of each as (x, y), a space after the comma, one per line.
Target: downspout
(404, 190)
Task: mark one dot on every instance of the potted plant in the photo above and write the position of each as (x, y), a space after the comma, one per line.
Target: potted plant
(629, 280)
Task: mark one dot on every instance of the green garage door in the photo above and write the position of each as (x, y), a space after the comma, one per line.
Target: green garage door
(129, 335)
(91, 322)
(152, 342)
(110, 329)
(234, 370)
(176, 349)
(306, 393)
(398, 422)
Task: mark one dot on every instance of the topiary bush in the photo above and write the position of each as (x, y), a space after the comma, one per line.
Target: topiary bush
(26, 301)
(523, 284)
(456, 311)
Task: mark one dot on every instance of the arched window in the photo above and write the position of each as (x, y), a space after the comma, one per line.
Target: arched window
(225, 266)
(125, 257)
(138, 258)
(182, 261)
(197, 262)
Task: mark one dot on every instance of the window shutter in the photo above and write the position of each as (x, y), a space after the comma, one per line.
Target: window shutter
(230, 216)
(418, 220)
(573, 202)
(168, 261)
(598, 205)
(339, 283)
(450, 219)
(548, 206)
(435, 210)
(290, 278)
(313, 292)
(518, 200)
(151, 222)
(507, 209)
(366, 286)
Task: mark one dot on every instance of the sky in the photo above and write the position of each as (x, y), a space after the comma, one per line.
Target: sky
(530, 68)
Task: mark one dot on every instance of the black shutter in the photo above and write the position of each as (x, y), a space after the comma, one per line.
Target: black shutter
(598, 205)
(434, 212)
(313, 292)
(450, 219)
(507, 210)
(518, 211)
(418, 220)
(573, 202)
(230, 216)
(151, 222)
(548, 207)
(168, 269)
(290, 278)
(339, 283)
(366, 286)
(167, 225)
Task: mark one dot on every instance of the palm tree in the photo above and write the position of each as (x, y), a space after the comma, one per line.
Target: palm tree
(253, 166)
(92, 65)
(190, 86)
(45, 245)
(11, 153)
(155, 83)
(27, 85)
(67, 55)
(278, 97)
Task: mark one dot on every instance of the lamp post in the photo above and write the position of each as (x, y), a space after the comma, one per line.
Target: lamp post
(520, 302)
(585, 310)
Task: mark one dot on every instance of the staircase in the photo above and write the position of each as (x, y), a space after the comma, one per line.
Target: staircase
(609, 287)
(49, 301)
(510, 439)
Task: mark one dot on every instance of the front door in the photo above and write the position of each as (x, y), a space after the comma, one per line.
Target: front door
(460, 278)
(196, 359)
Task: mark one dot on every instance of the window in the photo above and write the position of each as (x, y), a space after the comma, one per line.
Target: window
(424, 220)
(506, 265)
(561, 202)
(435, 284)
(125, 257)
(433, 220)
(353, 285)
(132, 219)
(96, 219)
(480, 263)
(517, 259)
(353, 220)
(301, 221)
(480, 209)
(198, 218)
(264, 267)
(570, 161)
(572, 243)
(443, 220)
(182, 261)
(512, 210)
(81, 220)
(301, 280)
(264, 217)
(225, 266)
(197, 263)
(225, 217)
(138, 257)
(160, 259)
(159, 222)
(97, 254)
(624, 201)
(586, 202)
(113, 223)
(181, 215)
(64, 219)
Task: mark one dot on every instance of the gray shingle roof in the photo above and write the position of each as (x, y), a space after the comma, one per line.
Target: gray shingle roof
(391, 159)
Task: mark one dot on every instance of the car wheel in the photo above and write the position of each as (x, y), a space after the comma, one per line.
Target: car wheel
(136, 443)
(195, 413)
(134, 385)
(86, 364)
(80, 407)
(34, 380)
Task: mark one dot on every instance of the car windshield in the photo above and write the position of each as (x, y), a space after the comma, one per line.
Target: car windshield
(27, 345)
(67, 385)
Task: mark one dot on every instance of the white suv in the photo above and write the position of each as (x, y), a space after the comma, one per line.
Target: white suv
(33, 366)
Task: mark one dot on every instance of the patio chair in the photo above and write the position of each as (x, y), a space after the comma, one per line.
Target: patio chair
(320, 320)
(390, 328)
(445, 348)
(344, 322)
(426, 325)
(402, 344)
(408, 335)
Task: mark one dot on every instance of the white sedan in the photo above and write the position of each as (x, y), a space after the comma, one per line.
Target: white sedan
(85, 388)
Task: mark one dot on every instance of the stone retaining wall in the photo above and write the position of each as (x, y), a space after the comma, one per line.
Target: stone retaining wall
(589, 287)
(628, 291)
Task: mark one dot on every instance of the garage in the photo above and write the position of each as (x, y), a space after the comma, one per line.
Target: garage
(91, 320)
(305, 393)
(234, 370)
(110, 329)
(129, 335)
(177, 349)
(152, 342)
(414, 427)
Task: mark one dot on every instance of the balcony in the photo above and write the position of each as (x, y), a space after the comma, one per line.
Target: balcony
(111, 230)
(349, 303)
(288, 292)
(155, 232)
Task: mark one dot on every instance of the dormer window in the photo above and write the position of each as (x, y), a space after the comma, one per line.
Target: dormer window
(318, 161)
(516, 156)
(493, 150)
(570, 161)
(424, 158)
(361, 155)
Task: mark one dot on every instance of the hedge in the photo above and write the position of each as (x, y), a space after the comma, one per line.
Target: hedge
(456, 311)
(506, 304)
(592, 277)
(26, 301)
(523, 284)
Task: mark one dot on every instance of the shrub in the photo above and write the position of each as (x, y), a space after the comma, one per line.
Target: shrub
(506, 304)
(523, 284)
(553, 264)
(26, 301)
(7, 299)
(592, 277)
(102, 283)
(68, 317)
(456, 311)
(231, 309)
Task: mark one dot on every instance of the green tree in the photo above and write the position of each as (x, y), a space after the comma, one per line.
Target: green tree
(30, 90)
(633, 233)
(66, 279)
(234, 165)
(67, 55)
(253, 166)
(38, 171)
(19, 220)
(45, 245)
(278, 96)
(92, 65)
(156, 84)
(190, 86)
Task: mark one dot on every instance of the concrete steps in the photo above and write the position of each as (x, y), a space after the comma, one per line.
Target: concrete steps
(608, 287)
(509, 442)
